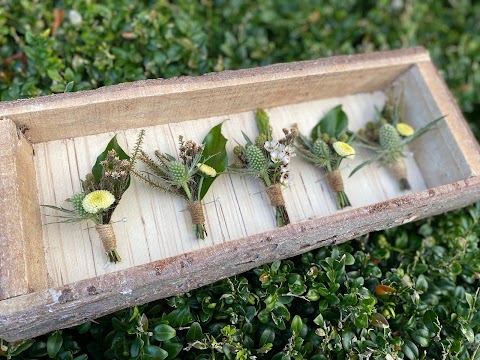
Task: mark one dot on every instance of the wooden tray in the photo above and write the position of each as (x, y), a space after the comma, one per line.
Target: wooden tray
(53, 276)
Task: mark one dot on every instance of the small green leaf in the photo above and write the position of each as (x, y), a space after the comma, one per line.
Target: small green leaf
(172, 348)
(216, 155)
(113, 144)
(263, 124)
(180, 317)
(410, 350)
(152, 352)
(137, 345)
(334, 123)
(421, 337)
(69, 86)
(378, 320)
(468, 333)
(164, 332)
(81, 357)
(430, 319)
(361, 321)
(54, 343)
(319, 320)
(195, 332)
(267, 337)
(297, 324)
(421, 284)
(347, 338)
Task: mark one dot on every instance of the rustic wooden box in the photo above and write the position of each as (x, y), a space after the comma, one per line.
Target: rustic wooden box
(53, 276)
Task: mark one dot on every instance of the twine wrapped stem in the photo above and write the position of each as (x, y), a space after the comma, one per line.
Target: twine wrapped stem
(335, 181)
(109, 241)
(196, 212)
(275, 194)
(398, 169)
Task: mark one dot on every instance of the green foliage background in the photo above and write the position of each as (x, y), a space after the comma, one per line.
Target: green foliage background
(318, 306)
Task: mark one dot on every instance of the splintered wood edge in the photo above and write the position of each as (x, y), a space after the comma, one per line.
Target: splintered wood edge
(38, 313)
(22, 260)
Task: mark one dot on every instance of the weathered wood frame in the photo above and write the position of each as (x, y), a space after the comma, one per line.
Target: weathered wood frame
(29, 309)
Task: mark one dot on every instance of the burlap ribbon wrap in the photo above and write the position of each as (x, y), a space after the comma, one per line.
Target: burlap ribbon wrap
(398, 169)
(196, 212)
(335, 181)
(107, 236)
(275, 194)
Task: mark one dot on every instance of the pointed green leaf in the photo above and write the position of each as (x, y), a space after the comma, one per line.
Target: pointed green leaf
(410, 349)
(216, 155)
(137, 345)
(164, 332)
(152, 352)
(367, 162)
(297, 324)
(422, 131)
(334, 123)
(263, 124)
(195, 332)
(430, 319)
(267, 337)
(113, 144)
(172, 348)
(54, 343)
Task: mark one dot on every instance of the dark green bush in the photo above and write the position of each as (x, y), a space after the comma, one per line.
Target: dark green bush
(409, 292)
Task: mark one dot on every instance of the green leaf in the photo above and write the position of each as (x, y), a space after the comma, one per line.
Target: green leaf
(137, 345)
(347, 338)
(430, 319)
(334, 123)
(421, 337)
(297, 324)
(195, 332)
(267, 337)
(69, 86)
(216, 155)
(180, 317)
(361, 321)
(164, 332)
(54, 343)
(410, 350)
(421, 284)
(468, 333)
(422, 131)
(263, 124)
(81, 357)
(113, 144)
(367, 162)
(172, 348)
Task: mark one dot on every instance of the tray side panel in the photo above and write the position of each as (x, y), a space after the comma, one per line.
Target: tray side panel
(93, 113)
(41, 312)
(457, 157)
(22, 260)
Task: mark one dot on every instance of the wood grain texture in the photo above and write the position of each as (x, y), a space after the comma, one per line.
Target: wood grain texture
(22, 260)
(160, 255)
(40, 312)
(74, 251)
(153, 102)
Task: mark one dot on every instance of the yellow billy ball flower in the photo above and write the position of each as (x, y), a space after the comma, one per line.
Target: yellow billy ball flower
(98, 200)
(343, 149)
(207, 170)
(405, 129)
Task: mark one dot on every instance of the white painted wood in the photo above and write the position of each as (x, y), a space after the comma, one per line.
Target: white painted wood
(157, 224)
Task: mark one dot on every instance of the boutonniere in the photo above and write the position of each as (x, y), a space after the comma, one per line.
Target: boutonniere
(188, 176)
(268, 160)
(101, 193)
(329, 143)
(388, 135)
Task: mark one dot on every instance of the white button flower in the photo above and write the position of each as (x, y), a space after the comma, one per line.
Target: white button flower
(98, 200)
(289, 151)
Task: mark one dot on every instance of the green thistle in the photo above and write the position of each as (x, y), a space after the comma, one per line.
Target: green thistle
(389, 138)
(178, 172)
(77, 201)
(256, 159)
(320, 149)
